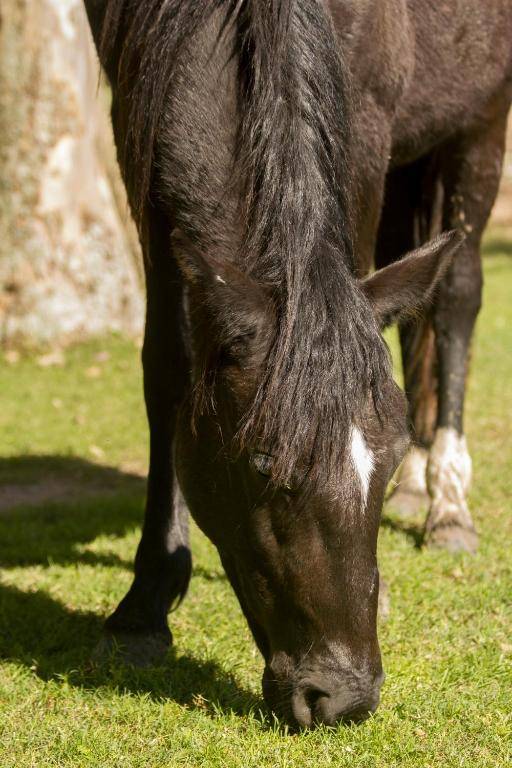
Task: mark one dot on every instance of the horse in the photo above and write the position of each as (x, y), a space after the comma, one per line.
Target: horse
(275, 152)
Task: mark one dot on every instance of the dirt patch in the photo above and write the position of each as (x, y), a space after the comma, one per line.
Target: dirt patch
(38, 493)
(50, 492)
(37, 481)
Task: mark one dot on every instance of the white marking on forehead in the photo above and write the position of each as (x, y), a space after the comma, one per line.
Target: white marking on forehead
(362, 459)
(220, 279)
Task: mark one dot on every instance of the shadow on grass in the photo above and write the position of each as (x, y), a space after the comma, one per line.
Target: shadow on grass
(66, 503)
(50, 506)
(410, 529)
(56, 642)
(209, 574)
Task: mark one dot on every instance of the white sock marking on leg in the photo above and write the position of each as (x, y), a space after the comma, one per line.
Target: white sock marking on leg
(449, 477)
(412, 474)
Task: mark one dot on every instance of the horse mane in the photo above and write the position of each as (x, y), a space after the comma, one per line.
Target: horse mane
(327, 356)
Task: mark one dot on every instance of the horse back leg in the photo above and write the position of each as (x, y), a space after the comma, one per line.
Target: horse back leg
(163, 561)
(411, 216)
(471, 173)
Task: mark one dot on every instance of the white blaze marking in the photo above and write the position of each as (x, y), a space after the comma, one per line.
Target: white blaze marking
(362, 459)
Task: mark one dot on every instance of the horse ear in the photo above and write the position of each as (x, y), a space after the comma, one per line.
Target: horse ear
(240, 303)
(406, 286)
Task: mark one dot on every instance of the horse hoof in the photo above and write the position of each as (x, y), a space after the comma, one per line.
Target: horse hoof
(408, 504)
(384, 605)
(134, 650)
(453, 538)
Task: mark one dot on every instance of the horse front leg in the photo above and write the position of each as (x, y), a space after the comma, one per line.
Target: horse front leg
(163, 561)
(471, 175)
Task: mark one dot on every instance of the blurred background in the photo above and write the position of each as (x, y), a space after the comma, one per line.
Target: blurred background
(69, 256)
(502, 215)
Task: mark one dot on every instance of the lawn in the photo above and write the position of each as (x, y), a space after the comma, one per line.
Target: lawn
(72, 456)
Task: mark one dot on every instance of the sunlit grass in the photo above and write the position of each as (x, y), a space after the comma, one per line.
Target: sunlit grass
(66, 562)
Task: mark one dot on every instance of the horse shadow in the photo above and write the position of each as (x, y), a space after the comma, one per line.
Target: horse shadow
(57, 642)
(415, 532)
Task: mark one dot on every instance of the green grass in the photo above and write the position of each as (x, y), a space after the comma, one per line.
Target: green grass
(447, 646)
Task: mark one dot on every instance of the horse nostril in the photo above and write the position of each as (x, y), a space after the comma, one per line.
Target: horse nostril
(304, 705)
(312, 696)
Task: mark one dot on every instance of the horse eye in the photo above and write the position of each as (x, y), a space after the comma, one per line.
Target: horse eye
(262, 463)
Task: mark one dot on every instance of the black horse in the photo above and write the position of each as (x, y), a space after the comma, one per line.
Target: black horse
(273, 150)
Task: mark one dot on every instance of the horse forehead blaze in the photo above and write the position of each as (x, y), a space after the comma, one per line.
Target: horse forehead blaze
(362, 459)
